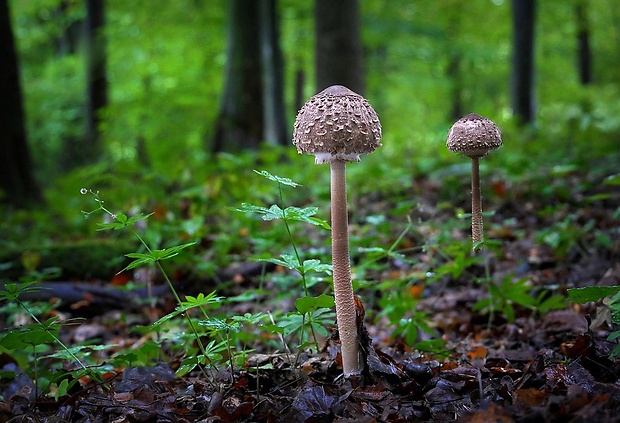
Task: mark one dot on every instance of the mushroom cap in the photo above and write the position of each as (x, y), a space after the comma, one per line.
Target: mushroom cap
(337, 125)
(474, 136)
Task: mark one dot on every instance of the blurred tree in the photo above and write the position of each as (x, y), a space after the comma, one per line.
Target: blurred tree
(455, 59)
(96, 80)
(68, 37)
(274, 120)
(16, 175)
(584, 53)
(338, 54)
(522, 84)
(252, 107)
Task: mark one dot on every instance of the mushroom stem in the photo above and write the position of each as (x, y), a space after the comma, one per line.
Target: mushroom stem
(343, 287)
(477, 232)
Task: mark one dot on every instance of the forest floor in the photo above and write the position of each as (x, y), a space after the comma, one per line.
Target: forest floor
(535, 366)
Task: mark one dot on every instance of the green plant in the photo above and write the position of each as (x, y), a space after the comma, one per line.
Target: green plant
(30, 341)
(311, 311)
(400, 306)
(607, 313)
(205, 354)
(564, 235)
(504, 296)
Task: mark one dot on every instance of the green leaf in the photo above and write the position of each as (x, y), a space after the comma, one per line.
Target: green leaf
(215, 324)
(614, 335)
(250, 208)
(188, 365)
(105, 226)
(273, 329)
(13, 341)
(201, 300)
(289, 261)
(314, 265)
(591, 293)
(191, 302)
(278, 179)
(12, 291)
(319, 222)
(138, 217)
(154, 255)
(309, 304)
(274, 213)
(612, 179)
(122, 221)
(62, 389)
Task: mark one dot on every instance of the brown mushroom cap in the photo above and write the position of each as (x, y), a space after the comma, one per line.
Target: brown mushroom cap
(337, 125)
(474, 136)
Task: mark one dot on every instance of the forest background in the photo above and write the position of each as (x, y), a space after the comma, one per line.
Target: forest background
(170, 123)
(152, 101)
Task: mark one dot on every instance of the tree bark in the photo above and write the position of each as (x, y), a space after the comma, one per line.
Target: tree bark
(454, 71)
(584, 52)
(523, 17)
(96, 80)
(339, 54)
(252, 107)
(67, 40)
(275, 126)
(240, 121)
(16, 176)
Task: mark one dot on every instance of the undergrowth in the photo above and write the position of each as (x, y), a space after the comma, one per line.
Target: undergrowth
(200, 335)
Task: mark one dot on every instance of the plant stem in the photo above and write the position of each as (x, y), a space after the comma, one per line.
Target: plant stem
(477, 235)
(177, 299)
(343, 287)
(292, 240)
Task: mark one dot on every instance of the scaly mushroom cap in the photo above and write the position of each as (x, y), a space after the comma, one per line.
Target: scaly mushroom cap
(474, 136)
(337, 125)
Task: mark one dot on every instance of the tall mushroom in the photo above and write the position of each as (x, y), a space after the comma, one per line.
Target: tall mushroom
(336, 126)
(474, 136)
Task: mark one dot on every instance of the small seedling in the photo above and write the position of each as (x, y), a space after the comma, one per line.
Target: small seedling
(608, 313)
(509, 293)
(309, 314)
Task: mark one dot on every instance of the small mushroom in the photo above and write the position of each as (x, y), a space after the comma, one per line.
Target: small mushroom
(337, 126)
(474, 136)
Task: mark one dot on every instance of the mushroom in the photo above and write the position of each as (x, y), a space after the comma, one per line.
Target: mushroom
(337, 126)
(474, 136)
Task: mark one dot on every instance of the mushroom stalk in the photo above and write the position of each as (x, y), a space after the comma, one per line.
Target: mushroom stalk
(477, 231)
(343, 287)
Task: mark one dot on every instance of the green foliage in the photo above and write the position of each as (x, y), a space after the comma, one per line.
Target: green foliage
(609, 313)
(564, 235)
(28, 342)
(509, 293)
(400, 308)
(312, 312)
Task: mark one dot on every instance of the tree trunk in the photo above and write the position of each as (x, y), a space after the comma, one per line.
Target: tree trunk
(240, 121)
(523, 16)
(252, 108)
(275, 126)
(584, 52)
(339, 54)
(67, 40)
(454, 71)
(96, 81)
(16, 177)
